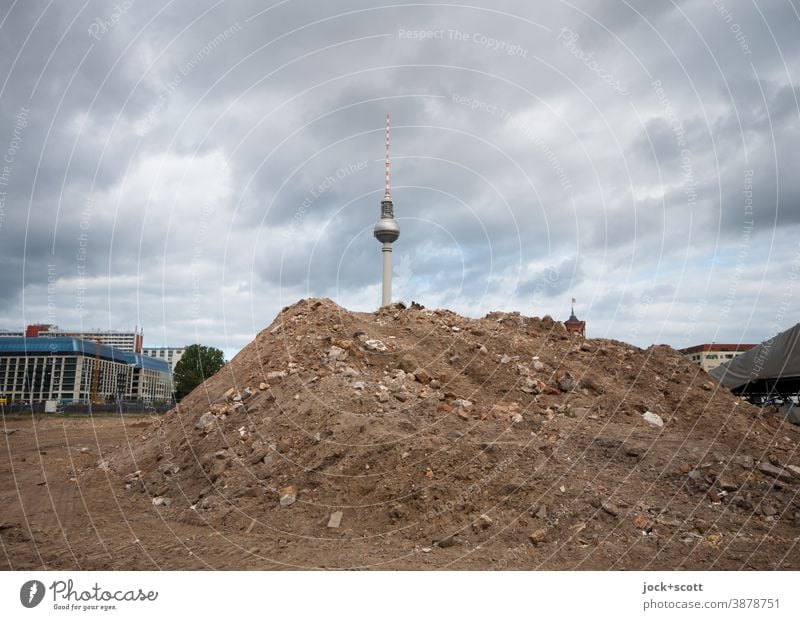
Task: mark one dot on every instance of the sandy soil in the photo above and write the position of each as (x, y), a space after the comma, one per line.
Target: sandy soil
(550, 465)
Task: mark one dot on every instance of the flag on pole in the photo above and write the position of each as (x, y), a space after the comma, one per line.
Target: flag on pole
(573, 300)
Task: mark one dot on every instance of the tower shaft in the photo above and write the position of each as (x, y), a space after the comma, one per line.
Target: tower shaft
(386, 296)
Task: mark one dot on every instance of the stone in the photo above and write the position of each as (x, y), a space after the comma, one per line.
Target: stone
(565, 381)
(383, 397)
(229, 393)
(484, 522)
(287, 495)
(744, 460)
(794, 470)
(159, 501)
(653, 419)
(640, 522)
(258, 455)
(538, 537)
(463, 414)
(336, 353)
(435, 384)
(401, 396)
(350, 372)
(585, 346)
(444, 543)
(336, 519)
(246, 393)
(407, 364)
(769, 510)
(444, 408)
(610, 508)
(342, 343)
(714, 496)
(275, 375)
(132, 476)
(776, 472)
(262, 386)
(454, 359)
(537, 365)
(516, 418)
(359, 385)
(462, 403)
(206, 420)
(727, 485)
(422, 376)
(542, 512)
(375, 345)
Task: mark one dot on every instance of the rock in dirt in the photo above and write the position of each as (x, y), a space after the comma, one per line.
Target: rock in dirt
(566, 382)
(166, 502)
(287, 495)
(336, 519)
(538, 536)
(653, 419)
(610, 508)
(776, 472)
(422, 376)
(794, 470)
(375, 345)
(483, 522)
(207, 419)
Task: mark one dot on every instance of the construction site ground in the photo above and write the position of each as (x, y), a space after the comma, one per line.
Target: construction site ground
(414, 439)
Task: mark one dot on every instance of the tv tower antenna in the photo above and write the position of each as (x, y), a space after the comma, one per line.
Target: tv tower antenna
(387, 230)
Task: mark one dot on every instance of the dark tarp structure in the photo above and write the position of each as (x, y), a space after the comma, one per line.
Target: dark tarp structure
(769, 372)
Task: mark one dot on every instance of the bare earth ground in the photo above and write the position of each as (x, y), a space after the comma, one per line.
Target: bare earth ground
(549, 466)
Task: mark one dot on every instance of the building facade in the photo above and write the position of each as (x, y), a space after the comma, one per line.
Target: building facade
(71, 370)
(575, 326)
(130, 341)
(711, 355)
(170, 354)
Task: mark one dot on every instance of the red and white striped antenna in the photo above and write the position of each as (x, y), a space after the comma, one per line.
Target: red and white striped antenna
(386, 193)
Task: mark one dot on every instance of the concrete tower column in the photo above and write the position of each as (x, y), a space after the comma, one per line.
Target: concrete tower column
(386, 297)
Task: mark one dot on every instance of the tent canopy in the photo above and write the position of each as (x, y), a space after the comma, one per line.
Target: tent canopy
(773, 360)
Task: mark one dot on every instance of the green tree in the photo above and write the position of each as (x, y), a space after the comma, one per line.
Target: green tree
(196, 365)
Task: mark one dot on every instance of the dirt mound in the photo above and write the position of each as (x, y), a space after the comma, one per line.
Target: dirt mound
(363, 439)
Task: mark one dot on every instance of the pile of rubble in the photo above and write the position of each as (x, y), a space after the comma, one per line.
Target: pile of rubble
(428, 431)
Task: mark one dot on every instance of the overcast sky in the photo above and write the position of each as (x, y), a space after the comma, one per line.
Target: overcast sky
(193, 167)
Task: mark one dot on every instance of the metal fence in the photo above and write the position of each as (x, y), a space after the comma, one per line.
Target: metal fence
(38, 408)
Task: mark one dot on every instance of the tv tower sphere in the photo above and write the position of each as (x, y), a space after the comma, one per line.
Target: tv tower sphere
(387, 230)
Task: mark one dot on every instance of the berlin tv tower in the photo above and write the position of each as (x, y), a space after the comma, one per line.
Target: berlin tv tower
(387, 231)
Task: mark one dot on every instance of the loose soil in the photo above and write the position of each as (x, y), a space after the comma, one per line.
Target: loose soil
(414, 439)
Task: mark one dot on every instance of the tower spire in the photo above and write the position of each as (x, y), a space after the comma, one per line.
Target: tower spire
(386, 192)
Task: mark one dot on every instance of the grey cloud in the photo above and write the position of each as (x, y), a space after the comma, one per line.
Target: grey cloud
(200, 149)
